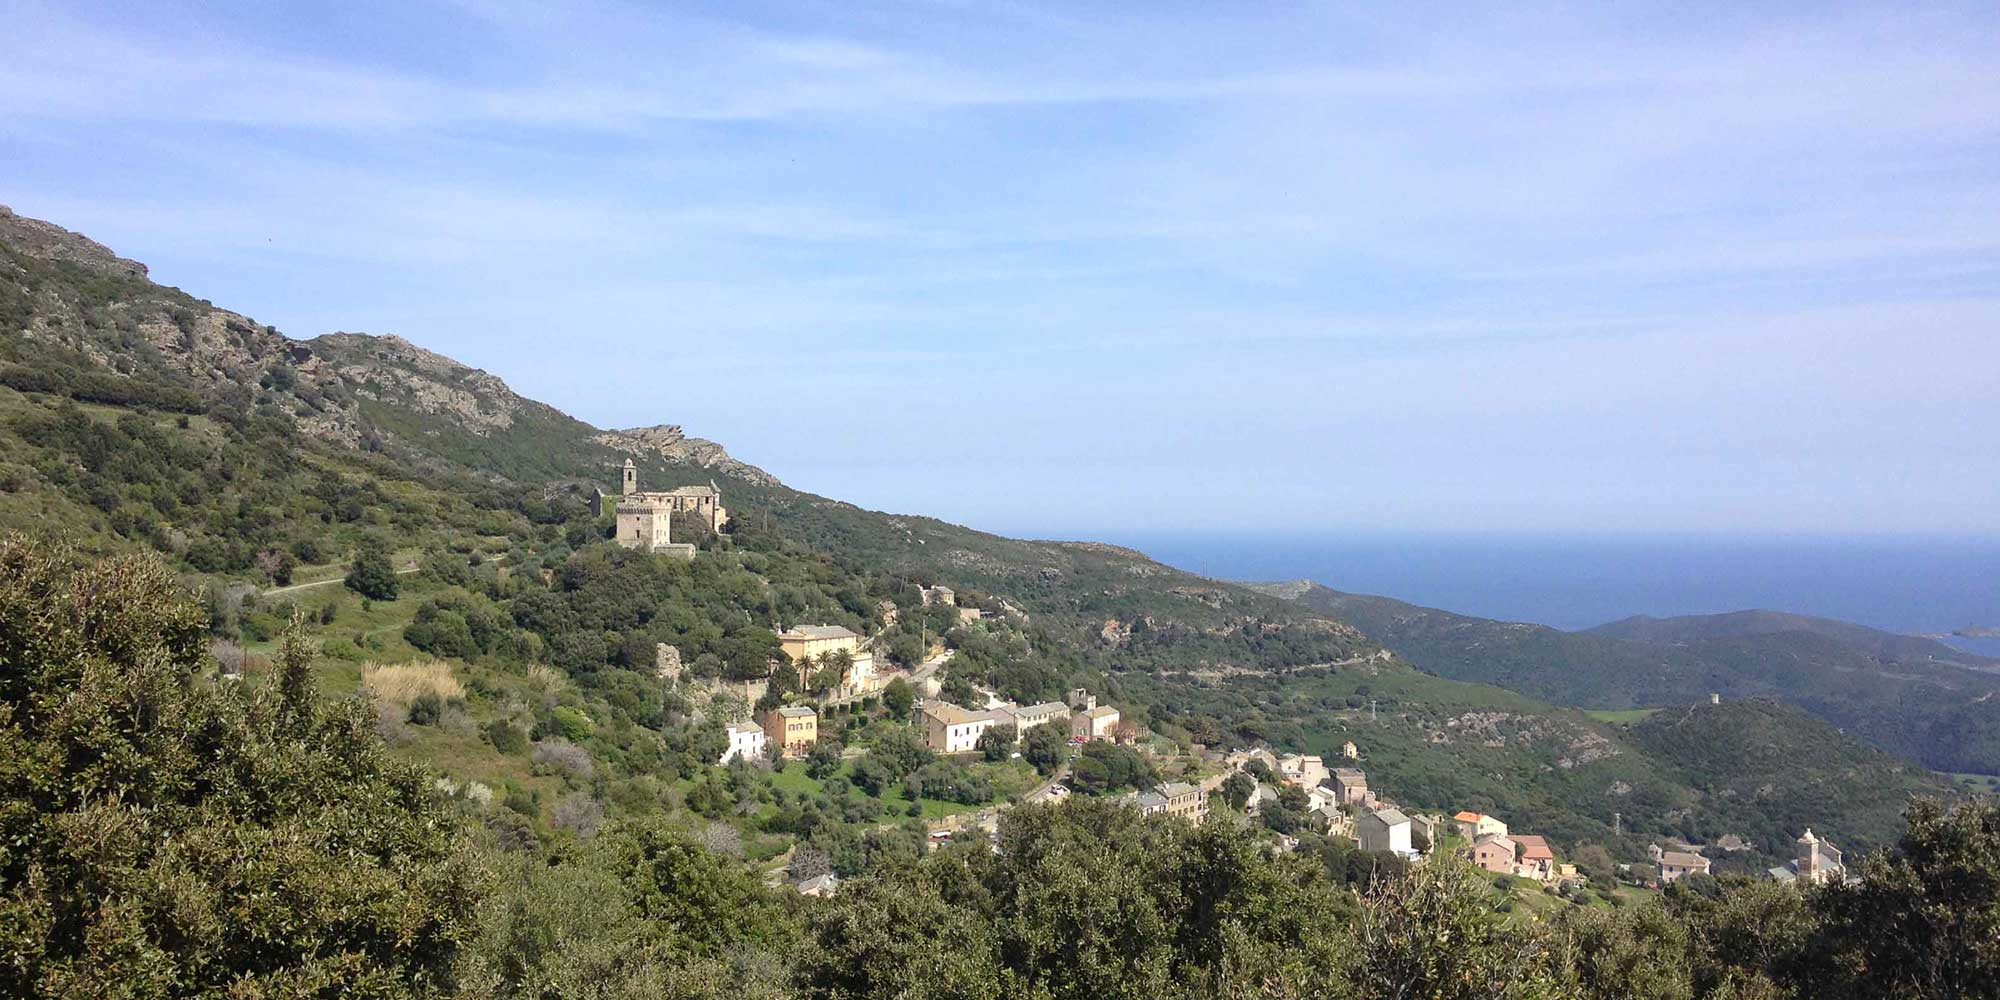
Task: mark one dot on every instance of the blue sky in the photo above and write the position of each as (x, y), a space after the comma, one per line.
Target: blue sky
(1062, 269)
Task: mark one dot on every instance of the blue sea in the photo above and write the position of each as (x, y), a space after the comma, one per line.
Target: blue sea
(1910, 585)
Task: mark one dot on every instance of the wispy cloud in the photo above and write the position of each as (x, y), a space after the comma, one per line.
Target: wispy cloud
(1349, 247)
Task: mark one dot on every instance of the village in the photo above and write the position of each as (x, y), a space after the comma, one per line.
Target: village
(834, 667)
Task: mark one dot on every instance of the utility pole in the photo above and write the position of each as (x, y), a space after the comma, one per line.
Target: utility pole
(1371, 710)
(1617, 820)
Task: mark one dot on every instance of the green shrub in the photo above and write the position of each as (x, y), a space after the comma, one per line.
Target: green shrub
(506, 737)
(426, 709)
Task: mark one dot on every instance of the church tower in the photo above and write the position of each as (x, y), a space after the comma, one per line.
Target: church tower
(630, 484)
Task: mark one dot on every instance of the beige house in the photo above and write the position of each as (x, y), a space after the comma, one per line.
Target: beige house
(1302, 770)
(1350, 786)
(1677, 865)
(807, 644)
(951, 729)
(1535, 860)
(794, 727)
(938, 595)
(1350, 751)
(1493, 852)
(1026, 717)
(1471, 824)
(1175, 798)
(1094, 723)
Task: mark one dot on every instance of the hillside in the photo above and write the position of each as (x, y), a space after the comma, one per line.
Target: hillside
(134, 417)
(1910, 695)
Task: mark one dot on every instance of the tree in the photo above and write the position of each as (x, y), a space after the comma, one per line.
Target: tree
(1923, 920)
(243, 839)
(898, 937)
(1237, 789)
(996, 743)
(1045, 747)
(824, 759)
(1107, 767)
(898, 699)
(1594, 863)
(371, 574)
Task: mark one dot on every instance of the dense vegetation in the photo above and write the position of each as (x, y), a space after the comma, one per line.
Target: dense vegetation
(1909, 695)
(170, 834)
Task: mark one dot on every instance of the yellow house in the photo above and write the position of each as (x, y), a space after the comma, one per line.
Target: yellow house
(794, 727)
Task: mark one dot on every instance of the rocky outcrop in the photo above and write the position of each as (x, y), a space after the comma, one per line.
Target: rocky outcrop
(390, 369)
(667, 441)
(48, 241)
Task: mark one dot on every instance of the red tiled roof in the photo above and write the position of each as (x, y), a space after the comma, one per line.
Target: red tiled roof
(1534, 848)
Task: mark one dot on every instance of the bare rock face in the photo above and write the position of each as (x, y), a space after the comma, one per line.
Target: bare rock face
(393, 370)
(668, 442)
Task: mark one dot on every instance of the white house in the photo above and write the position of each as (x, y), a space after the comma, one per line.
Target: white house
(951, 729)
(746, 740)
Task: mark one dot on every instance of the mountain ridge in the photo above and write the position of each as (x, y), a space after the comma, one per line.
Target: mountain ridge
(1914, 695)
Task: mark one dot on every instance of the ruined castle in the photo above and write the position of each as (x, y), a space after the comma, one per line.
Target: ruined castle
(645, 520)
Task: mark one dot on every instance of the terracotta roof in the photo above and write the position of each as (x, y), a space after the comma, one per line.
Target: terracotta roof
(1682, 859)
(1468, 816)
(1534, 848)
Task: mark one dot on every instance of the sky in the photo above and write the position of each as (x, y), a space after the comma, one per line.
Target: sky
(1075, 269)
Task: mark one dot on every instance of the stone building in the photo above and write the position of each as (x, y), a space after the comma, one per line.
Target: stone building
(645, 520)
(1026, 717)
(1818, 861)
(1350, 786)
(1093, 724)
(1385, 831)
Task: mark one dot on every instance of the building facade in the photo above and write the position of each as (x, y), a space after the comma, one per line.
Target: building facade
(951, 729)
(1175, 798)
(794, 727)
(1350, 786)
(1471, 824)
(1384, 831)
(1093, 724)
(1493, 852)
(645, 520)
(746, 741)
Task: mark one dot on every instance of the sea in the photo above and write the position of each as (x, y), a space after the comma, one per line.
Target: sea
(1919, 586)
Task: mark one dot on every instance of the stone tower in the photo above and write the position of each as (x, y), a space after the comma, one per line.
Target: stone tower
(630, 484)
(1809, 856)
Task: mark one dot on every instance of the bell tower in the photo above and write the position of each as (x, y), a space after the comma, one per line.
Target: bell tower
(630, 484)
